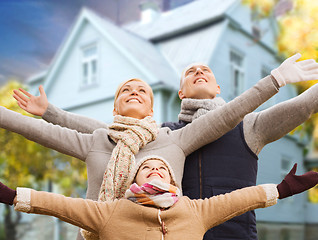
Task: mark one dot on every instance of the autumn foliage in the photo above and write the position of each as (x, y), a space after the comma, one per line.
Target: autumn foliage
(298, 32)
(28, 164)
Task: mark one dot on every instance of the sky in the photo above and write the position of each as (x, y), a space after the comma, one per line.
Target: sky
(32, 30)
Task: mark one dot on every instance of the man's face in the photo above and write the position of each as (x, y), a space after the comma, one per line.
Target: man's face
(152, 169)
(133, 101)
(198, 82)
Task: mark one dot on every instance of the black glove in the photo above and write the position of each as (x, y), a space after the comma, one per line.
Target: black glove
(7, 194)
(293, 184)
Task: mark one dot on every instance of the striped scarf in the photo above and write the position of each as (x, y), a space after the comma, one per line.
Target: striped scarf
(155, 193)
(131, 135)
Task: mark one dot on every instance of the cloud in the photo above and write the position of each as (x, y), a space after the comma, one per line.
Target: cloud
(33, 30)
(21, 69)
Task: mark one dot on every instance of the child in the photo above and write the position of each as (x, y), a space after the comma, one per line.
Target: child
(152, 207)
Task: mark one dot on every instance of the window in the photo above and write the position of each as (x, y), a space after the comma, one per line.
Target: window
(237, 73)
(285, 167)
(313, 192)
(89, 65)
(284, 234)
(256, 33)
(262, 234)
(265, 71)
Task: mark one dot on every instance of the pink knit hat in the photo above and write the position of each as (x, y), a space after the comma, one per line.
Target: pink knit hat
(134, 172)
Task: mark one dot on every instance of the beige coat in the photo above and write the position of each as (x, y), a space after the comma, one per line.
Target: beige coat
(123, 219)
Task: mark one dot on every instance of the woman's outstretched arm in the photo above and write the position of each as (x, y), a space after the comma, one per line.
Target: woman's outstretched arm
(40, 106)
(64, 140)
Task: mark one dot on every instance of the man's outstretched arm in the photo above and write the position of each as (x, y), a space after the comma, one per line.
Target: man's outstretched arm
(275, 122)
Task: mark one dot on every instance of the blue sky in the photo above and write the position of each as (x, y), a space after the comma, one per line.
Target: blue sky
(32, 30)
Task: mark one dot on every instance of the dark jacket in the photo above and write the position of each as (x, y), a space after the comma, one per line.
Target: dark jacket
(220, 167)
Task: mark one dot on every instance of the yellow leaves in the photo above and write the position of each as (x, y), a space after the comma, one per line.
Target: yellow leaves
(313, 192)
(298, 27)
(298, 32)
(25, 163)
(315, 130)
(263, 8)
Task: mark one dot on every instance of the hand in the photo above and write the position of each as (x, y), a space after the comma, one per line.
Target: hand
(293, 184)
(291, 71)
(31, 104)
(7, 195)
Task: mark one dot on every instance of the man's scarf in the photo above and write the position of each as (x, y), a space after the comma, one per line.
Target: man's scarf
(193, 108)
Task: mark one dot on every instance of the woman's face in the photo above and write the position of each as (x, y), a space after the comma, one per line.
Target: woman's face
(133, 100)
(152, 169)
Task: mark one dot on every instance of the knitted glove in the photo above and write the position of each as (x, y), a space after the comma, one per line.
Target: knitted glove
(291, 71)
(7, 194)
(293, 184)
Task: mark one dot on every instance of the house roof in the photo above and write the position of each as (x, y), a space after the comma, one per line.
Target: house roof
(164, 65)
(145, 52)
(142, 53)
(198, 46)
(182, 19)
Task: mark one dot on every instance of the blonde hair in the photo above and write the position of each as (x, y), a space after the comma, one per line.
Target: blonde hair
(130, 80)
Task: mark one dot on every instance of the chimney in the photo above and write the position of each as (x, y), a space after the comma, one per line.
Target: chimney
(149, 11)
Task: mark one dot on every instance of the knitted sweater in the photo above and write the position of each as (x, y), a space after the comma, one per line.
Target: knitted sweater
(123, 219)
(260, 128)
(96, 148)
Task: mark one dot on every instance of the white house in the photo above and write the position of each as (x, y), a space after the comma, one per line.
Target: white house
(97, 55)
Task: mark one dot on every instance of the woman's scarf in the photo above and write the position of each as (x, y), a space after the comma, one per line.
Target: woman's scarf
(155, 193)
(131, 135)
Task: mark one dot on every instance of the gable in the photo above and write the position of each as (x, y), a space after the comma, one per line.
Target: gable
(121, 56)
(113, 67)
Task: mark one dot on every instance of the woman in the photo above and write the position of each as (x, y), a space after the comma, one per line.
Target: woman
(152, 207)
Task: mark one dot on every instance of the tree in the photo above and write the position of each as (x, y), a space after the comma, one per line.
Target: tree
(298, 32)
(28, 164)
(298, 24)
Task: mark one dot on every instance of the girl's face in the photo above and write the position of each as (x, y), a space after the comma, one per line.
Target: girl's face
(134, 100)
(152, 169)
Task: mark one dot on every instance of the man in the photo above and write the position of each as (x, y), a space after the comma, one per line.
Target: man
(230, 162)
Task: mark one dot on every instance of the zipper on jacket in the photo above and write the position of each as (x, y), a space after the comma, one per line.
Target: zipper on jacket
(200, 173)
